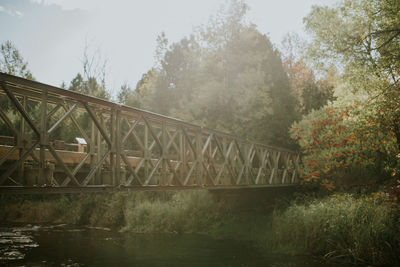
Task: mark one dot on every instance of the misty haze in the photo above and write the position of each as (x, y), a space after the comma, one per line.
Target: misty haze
(200, 133)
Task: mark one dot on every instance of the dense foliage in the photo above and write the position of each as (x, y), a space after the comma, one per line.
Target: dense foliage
(358, 134)
(226, 76)
(343, 228)
(347, 143)
(310, 91)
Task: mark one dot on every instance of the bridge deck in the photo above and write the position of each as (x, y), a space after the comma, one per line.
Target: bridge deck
(120, 147)
(71, 158)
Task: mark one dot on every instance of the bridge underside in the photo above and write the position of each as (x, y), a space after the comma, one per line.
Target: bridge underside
(57, 141)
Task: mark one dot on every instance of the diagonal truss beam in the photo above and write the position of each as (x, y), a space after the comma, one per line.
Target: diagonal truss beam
(20, 108)
(66, 115)
(8, 122)
(76, 123)
(10, 170)
(98, 124)
(131, 128)
(70, 176)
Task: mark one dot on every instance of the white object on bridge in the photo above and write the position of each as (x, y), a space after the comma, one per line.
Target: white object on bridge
(81, 144)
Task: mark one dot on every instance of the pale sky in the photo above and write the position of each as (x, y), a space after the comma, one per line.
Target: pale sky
(51, 34)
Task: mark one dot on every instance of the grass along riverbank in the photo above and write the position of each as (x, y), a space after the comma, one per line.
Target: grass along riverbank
(169, 211)
(341, 228)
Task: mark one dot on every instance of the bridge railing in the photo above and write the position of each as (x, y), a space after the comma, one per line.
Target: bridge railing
(121, 146)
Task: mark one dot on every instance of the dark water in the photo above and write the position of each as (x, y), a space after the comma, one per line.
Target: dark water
(33, 245)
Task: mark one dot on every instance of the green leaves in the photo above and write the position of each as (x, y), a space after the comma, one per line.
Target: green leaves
(357, 137)
(226, 76)
(91, 86)
(346, 141)
(12, 62)
(361, 35)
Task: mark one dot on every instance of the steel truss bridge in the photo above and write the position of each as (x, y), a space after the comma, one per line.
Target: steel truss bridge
(120, 147)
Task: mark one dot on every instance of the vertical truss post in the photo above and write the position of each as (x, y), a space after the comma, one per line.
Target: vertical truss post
(20, 144)
(182, 154)
(224, 145)
(199, 158)
(209, 156)
(296, 170)
(209, 151)
(112, 148)
(92, 145)
(164, 154)
(283, 169)
(246, 151)
(98, 157)
(277, 170)
(98, 178)
(146, 152)
(224, 151)
(43, 136)
(117, 168)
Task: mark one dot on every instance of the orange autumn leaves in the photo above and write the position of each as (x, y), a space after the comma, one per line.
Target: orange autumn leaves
(337, 140)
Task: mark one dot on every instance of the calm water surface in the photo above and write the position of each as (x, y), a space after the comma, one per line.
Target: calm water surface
(60, 245)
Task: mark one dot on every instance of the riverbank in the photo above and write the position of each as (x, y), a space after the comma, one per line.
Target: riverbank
(340, 228)
(155, 212)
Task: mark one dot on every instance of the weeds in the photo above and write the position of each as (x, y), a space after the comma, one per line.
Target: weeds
(341, 228)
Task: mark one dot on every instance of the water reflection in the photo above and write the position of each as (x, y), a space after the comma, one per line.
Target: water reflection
(64, 246)
(13, 242)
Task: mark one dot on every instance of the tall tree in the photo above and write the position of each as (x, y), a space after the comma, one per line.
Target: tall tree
(311, 92)
(93, 80)
(227, 76)
(124, 93)
(363, 36)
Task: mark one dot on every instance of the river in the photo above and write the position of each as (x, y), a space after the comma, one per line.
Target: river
(62, 245)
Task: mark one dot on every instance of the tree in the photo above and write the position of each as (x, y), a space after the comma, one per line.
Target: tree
(363, 37)
(12, 62)
(124, 93)
(226, 76)
(142, 96)
(360, 130)
(78, 85)
(345, 144)
(311, 93)
(93, 83)
(93, 80)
